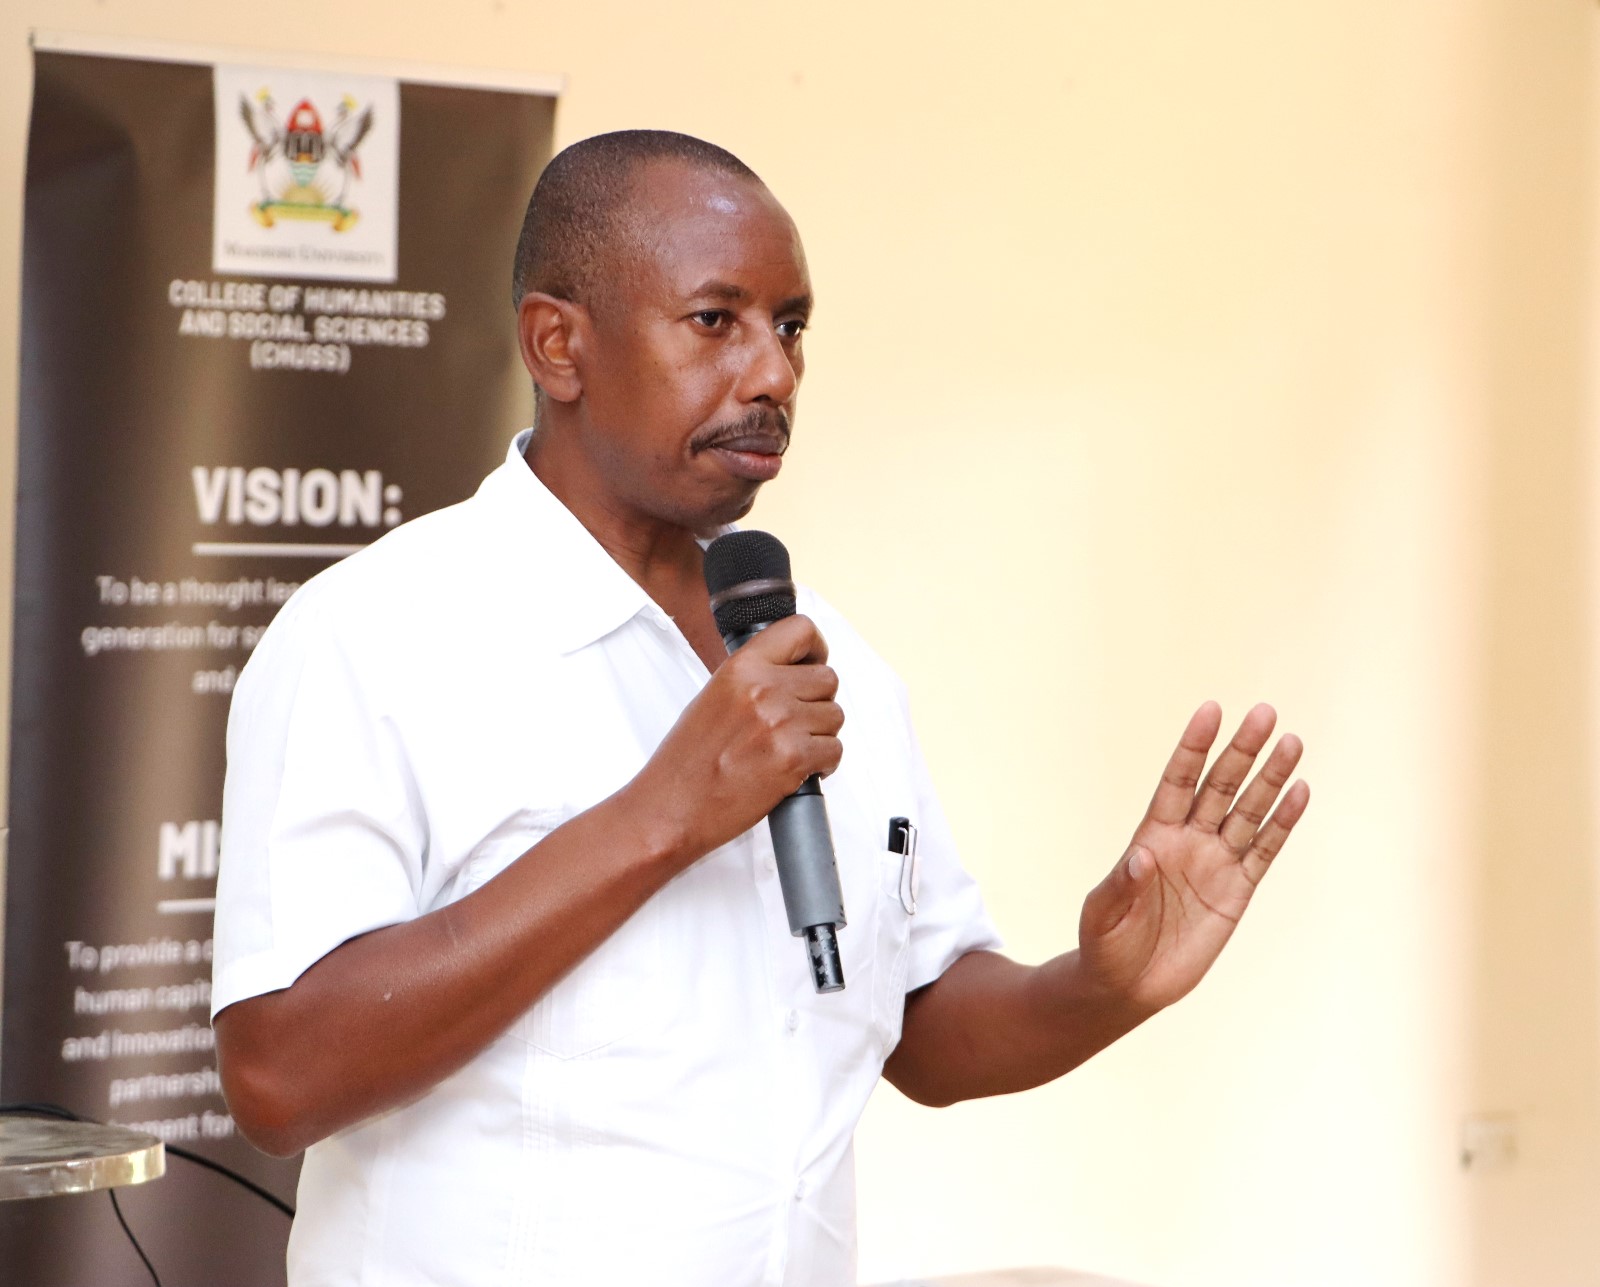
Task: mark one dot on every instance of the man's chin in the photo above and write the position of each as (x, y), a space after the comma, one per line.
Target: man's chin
(712, 506)
(730, 512)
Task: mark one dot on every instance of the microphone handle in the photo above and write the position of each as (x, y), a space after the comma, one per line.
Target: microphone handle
(809, 877)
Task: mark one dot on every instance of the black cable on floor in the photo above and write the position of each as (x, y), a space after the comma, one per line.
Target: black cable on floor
(123, 1221)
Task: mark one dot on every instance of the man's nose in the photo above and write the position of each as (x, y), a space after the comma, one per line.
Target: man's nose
(769, 373)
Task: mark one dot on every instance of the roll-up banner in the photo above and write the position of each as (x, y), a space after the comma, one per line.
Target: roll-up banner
(265, 317)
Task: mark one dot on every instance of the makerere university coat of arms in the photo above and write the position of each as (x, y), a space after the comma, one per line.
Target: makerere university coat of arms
(305, 169)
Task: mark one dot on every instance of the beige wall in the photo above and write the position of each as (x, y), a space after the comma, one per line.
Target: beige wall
(1238, 350)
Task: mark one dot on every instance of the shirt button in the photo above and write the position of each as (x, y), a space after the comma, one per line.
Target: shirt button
(792, 1020)
(799, 1189)
(770, 862)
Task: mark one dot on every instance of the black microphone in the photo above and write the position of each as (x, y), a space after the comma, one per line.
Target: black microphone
(747, 574)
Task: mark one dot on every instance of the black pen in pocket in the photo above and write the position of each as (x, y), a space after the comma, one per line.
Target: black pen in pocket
(903, 841)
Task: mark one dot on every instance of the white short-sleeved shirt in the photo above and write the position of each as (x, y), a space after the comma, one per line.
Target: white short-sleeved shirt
(679, 1109)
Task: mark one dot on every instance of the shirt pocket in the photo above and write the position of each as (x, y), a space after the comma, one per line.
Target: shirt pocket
(606, 995)
(892, 950)
(864, 796)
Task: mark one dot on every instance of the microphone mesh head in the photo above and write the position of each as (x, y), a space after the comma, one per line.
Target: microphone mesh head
(747, 556)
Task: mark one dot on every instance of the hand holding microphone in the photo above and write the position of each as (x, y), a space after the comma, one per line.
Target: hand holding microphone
(747, 575)
(753, 743)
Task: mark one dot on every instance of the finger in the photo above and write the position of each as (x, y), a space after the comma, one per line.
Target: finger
(802, 750)
(1175, 794)
(1240, 826)
(1270, 839)
(809, 683)
(1233, 765)
(1110, 900)
(810, 741)
(826, 752)
(823, 719)
(792, 641)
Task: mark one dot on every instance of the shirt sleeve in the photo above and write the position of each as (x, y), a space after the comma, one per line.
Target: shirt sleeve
(323, 834)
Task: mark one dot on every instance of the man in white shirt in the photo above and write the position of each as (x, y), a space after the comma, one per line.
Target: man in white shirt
(499, 939)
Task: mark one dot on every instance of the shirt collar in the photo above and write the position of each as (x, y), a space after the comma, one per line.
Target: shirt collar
(586, 593)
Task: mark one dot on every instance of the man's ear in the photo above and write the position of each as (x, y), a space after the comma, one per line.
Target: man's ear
(550, 333)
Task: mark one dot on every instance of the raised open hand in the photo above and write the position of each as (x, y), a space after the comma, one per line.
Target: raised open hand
(1151, 929)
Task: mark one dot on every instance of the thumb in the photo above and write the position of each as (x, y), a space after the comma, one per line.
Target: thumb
(1110, 900)
(794, 640)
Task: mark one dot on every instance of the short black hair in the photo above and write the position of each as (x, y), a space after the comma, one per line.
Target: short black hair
(576, 212)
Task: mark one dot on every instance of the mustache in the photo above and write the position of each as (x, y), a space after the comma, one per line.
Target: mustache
(764, 427)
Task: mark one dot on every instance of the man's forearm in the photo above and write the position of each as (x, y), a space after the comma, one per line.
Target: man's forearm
(385, 1017)
(989, 1026)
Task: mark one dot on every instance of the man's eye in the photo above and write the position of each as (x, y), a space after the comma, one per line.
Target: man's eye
(792, 328)
(711, 318)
